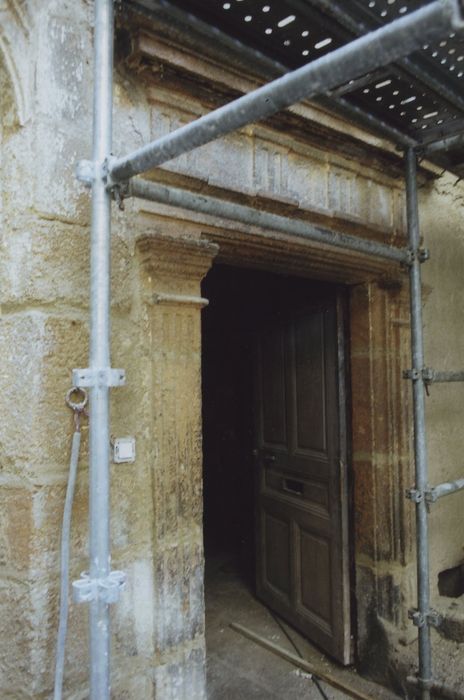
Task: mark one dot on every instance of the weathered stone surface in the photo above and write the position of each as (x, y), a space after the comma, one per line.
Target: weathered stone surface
(17, 635)
(254, 162)
(15, 531)
(444, 321)
(172, 271)
(38, 353)
(381, 415)
(183, 679)
(452, 626)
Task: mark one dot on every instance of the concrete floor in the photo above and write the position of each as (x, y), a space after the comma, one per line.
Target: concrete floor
(239, 669)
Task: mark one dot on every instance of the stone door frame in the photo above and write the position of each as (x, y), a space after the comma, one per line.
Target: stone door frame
(381, 469)
(171, 270)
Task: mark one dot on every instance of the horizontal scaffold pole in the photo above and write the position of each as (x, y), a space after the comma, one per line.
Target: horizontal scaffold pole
(448, 143)
(432, 376)
(213, 206)
(378, 48)
(445, 489)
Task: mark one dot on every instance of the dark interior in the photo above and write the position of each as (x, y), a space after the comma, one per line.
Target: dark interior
(451, 582)
(239, 301)
(228, 419)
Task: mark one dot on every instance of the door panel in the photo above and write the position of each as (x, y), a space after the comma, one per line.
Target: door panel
(274, 420)
(277, 560)
(314, 594)
(309, 386)
(302, 554)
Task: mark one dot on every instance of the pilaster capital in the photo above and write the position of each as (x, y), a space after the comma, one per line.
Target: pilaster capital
(178, 257)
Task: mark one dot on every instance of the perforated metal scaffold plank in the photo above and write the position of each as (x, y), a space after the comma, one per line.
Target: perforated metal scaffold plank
(422, 96)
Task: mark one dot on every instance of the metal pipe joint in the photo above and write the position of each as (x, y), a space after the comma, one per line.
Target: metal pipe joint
(107, 590)
(98, 376)
(432, 618)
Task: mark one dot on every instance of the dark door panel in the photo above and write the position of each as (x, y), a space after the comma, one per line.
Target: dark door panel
(306, 492)
(276, 560)
(309, 386)
(302, 554)
(273, 416)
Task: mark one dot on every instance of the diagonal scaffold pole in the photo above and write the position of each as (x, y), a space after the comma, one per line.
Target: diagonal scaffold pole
(378, 48)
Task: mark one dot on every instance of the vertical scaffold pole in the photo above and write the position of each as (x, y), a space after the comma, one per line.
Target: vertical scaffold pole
(422, 615)
(100, 586)
(99, 523)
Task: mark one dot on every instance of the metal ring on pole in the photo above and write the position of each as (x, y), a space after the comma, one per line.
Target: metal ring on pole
(77, 405)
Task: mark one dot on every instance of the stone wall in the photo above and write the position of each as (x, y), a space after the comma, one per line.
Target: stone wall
(442, 207)
(43, 327)
(442, 226)
(348, 182)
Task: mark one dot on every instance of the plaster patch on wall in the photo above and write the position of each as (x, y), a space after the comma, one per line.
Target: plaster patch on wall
(136, 606)
(61, 81)
(184, 680)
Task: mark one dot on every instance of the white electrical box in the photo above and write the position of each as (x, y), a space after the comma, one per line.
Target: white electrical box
(123, 450)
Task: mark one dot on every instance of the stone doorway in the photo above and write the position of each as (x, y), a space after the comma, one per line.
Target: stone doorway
(383, 558)
(378, 337)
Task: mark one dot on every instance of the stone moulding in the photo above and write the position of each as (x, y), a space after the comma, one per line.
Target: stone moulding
(176, 256)
(179, 299)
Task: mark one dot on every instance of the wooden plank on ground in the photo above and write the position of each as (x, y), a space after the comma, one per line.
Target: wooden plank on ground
(300, 663)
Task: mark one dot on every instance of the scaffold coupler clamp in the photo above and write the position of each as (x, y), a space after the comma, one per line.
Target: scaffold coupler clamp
(419, 254)
(413, 374)
(424, 683)
(100, 376)
(423, 254)
(108, 590)
(431, 495)
(415, 495)
(87, 171)
(426, 374)
(119, 189)
(420, 619)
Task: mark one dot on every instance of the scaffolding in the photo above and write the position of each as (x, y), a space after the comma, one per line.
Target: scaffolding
(111, 177)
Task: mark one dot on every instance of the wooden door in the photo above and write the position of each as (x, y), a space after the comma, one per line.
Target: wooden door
(302, 525)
